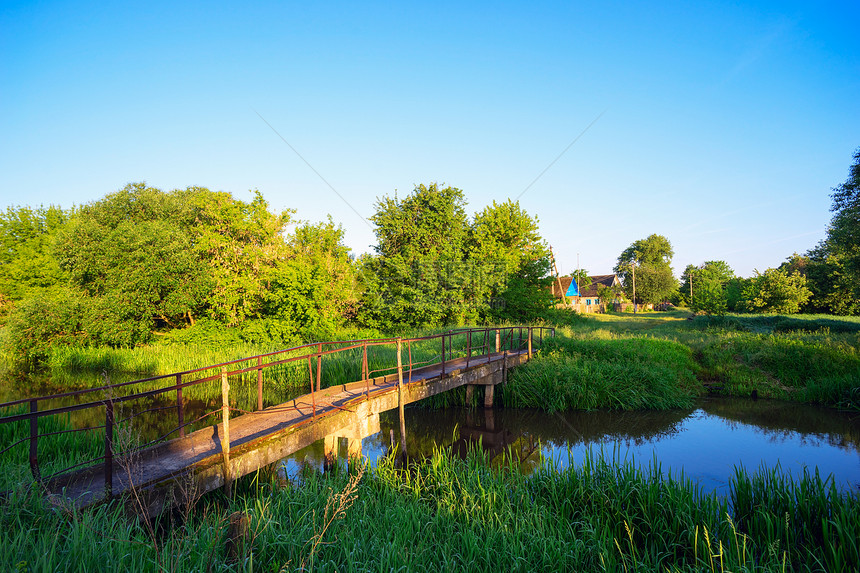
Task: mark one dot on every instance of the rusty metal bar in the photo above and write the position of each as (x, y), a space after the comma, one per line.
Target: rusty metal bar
(400, 405)
(225, 424)
(409, 346)
(468, 347)
(180, 408)
(530, 343)
(34, 441)
(364, 372)
(259, 383)
(319, 367)
(108, 465)
(443, 354)
(313, 398)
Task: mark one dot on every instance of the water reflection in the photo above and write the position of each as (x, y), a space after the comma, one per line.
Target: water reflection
(706, 443)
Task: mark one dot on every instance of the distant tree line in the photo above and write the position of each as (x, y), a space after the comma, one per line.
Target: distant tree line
(142, 265)
(824, 280)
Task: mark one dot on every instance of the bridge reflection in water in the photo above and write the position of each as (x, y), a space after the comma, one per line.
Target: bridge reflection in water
(707, 441)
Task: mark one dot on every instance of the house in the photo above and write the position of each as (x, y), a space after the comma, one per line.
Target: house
(585, 299)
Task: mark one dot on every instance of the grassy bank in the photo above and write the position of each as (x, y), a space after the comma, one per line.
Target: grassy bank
(449, 514)
(662, 360)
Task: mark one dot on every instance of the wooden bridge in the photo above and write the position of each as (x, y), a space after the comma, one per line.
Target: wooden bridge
(200, 455)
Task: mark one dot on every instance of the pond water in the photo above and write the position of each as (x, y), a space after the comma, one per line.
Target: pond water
(706, 442)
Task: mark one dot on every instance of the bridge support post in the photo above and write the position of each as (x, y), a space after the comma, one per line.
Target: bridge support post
(330, 451)
(470, 392)
(489, 390)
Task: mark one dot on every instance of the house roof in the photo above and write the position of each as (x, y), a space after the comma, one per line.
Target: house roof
(590, 290)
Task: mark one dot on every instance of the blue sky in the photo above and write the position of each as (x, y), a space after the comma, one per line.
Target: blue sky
(722, 126)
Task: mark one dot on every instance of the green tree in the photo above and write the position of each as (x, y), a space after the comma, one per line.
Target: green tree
(833, 285)
(776, 291)
(709, 287)
(26, 242)
(833, 266)
(650, 261)
(418, 275)
(844, 231)
(434, 267)
(315, 290)
(510, 264)
(240, 243)
(134, 252)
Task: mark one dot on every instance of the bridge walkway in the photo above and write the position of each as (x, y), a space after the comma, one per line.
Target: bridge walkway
(197, 461)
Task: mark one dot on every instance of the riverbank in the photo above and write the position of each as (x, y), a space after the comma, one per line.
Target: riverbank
(450, 514)
(617, 360)
(663, 360)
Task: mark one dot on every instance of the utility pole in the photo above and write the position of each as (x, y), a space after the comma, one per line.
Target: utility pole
(557, 277)
(691, 287)
(632, 266)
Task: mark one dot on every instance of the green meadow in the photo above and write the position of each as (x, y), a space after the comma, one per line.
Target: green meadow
(446, 514)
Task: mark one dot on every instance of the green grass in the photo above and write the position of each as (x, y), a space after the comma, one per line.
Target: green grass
(461, 515)
(57, 448)
(653, 360)
(608, 371)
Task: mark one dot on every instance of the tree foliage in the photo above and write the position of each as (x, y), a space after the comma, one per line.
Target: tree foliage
(134, 251)
(26, 242)
(141, 261)
(709, 282)
(776, 291)
(434, 267)
(833, 266)
(650, 261)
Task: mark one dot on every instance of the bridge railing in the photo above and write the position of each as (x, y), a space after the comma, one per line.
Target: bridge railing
(48, 419)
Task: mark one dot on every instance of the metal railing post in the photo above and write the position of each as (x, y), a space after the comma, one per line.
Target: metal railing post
(34, 441)
(311, 379)
(443, 354)
(530, 343)
(225, 424)
(259, 383)
(108, 467)
(180, 408)
(498, 340)
(364, 373)
(319, 366)
(468, 346)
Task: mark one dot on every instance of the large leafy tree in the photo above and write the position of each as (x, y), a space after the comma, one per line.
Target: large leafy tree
(776, 291)
(418, 275)
(510, 263)
(434, 267)
(650, 260)
(315, 289)
(133, 252)
(833, 266)
(704, 287)
(26, 258)
(240, 244)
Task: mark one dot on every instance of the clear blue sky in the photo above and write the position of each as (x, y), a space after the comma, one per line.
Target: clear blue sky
(724, 126)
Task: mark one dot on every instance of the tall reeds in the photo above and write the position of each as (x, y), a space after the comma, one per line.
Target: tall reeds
(451, 514)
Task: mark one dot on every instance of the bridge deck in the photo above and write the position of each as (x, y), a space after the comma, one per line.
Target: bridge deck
(202, 449)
